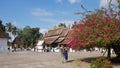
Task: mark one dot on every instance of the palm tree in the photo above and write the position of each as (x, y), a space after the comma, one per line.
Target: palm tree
(14, 31)
(11, 29)
(118, 3)
(118, 7)
(2, 26)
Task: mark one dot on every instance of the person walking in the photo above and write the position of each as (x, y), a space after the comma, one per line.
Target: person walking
(64, 54)
(9, 48)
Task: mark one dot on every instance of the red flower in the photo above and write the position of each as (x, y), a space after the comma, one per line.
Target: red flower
(96, 33)
(87, 33)
(106, 18)
(114, 14)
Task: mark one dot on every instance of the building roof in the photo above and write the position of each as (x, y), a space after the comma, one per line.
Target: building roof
(62, 35)
(68, 38)
(18, 41)
(3, 34)
(50, 40)
(54, 32)
(56, 35)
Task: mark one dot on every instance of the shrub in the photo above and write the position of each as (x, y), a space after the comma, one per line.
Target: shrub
(101, 62)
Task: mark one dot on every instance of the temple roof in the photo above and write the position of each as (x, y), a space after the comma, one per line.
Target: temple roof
(3, 34)
(18, 41)
(56, 35)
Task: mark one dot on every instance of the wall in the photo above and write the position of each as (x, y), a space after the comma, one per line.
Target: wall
(3, 45)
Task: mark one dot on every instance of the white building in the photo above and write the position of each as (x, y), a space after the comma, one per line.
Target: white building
(40, 45)
(3, 41)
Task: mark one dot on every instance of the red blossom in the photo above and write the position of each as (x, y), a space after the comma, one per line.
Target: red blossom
(96, 33)
(105, 26)
(106, 19)
(114, 14)
(87, 33)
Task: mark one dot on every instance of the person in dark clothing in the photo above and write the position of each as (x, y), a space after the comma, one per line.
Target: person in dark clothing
(64, 52)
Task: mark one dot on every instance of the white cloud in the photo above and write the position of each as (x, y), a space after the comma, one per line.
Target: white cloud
(57, 22)
(70, 1)
(67, 22)
(41, 12)
(104, 3)
(43, 30)
(62, 12)
(59, 1)
(49, 20)
(74, 1)
(14, 23)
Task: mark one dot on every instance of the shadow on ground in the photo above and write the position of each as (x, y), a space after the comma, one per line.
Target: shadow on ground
(89, 60)
(115, 61)
(70, 61)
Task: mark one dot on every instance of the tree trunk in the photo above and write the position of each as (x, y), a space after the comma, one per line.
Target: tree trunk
(109, 52)
(117, 50)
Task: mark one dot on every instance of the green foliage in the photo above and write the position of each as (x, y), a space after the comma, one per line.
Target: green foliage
(12, 30)
(102, 43)
(115, 44)
(2, 26)
(30, 36)
(101, 62)
(118, 3)
(9, 44)
(62, 25)
(9, 27)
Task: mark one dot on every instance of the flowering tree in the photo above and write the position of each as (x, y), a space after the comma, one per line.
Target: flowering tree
(98, 28)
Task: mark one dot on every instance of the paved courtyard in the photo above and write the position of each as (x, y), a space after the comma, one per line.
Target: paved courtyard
(28, 59)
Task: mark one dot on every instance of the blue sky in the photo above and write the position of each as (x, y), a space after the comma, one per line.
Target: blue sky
(44, 14)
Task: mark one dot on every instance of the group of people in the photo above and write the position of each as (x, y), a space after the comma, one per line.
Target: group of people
(64, 54)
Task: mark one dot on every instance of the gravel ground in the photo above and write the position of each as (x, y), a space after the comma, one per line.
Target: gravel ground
(28, 59)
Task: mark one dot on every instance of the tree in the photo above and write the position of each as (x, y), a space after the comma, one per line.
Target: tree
(15, 31)
(99, 28)
(118, 3)
(62, 25)
(2, 26)
(118, 7)
(29, 36)
(11, 29)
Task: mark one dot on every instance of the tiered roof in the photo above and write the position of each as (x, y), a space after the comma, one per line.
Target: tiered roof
(56, 35)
